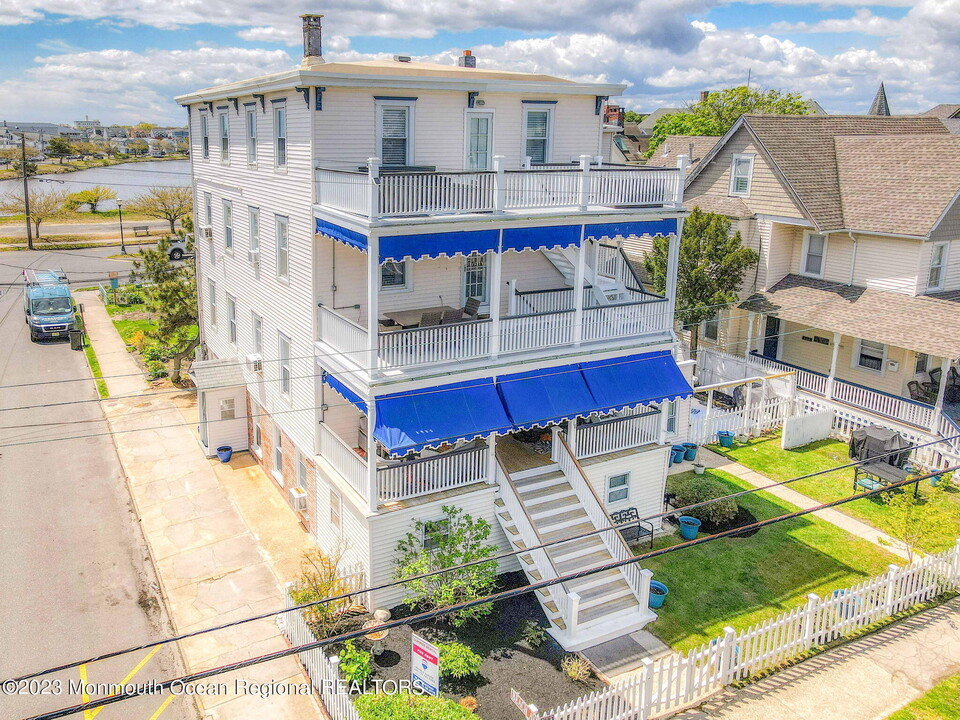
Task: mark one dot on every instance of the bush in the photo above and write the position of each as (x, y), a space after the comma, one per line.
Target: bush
(322, 576)
(356, 665)
(576, 668)
(532, 634)
(470, 703)
(458, 661)
(139, 341)
(156, 369)
(701, 488)
(404, 706)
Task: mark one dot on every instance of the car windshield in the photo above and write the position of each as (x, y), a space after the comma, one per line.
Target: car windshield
(52, 306)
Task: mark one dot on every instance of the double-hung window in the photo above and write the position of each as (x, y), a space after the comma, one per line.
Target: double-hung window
(395, 131)
(228, 409)
(711, 328)
(537, 124)
(253, 219)
(435, 532)
(302, 472)
(278, 455)
(228, 225)
(285, 374)
(251, 125)
(257, 334)
(393, 275)
(204, 135)
(922, 364)
(224, 136)
(208, 209)
(741, 175)
(618, 487)
(814, 251)
(283, 247)
(232, 318)
(280, 135)
(671, 409)
(475, 277)
(212, 291)
(870, 355)
(938, 265)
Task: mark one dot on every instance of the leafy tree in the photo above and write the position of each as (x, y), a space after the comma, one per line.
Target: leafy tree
(59, 147)
(721, 109)
(86, 148)
(168, 203)
(633, 117)
(138, 147)
(31, 167)
(915, 519)
(91, 197)
(43, 205)
(458, 661)
(711, 269)
(455, 539)
(322, 576)
(171, 298)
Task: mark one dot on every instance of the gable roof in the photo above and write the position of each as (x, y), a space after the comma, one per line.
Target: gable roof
(675, 145)
(645, 126)
(943, 111)
(898, 184)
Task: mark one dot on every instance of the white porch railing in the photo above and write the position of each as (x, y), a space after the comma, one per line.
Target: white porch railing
(377, 194)
(343, 334)
(606, 322)
(344, 459)
(429, 475)
(671, 682)
(440, 343)
(528, 332)
(606, 436)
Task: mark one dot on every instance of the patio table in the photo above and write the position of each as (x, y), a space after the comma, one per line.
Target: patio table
(411, 318)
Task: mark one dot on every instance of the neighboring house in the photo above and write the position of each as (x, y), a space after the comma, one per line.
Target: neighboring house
(695, 147)
(857, 225)
(419, 299)
(949, 114)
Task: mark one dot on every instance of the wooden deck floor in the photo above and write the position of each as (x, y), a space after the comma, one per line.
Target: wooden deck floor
(516, 457)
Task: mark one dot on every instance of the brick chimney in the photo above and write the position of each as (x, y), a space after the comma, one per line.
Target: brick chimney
(467, 60)
(312, 41)
(704, 94)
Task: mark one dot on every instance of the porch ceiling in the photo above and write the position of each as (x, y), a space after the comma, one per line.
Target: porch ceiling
(928, 324)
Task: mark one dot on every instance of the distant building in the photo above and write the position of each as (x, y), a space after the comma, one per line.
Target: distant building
(949, 115)
(87, 124)
(879, 106)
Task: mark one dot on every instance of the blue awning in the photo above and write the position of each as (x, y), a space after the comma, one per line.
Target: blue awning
(537, 238)
(667, 226)
(410, 421)
(342, 234)
(549, 395)
(346, 392)
(449, 244)
(635, 380)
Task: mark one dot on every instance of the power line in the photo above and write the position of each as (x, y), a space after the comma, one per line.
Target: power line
(463, 566)
(494, 597)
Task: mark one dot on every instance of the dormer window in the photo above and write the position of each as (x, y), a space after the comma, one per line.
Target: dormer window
(741, 175)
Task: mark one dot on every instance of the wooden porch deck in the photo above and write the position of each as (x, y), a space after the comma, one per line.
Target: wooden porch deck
(516, 457)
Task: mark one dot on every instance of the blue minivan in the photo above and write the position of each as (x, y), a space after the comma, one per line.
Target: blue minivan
(47, 304)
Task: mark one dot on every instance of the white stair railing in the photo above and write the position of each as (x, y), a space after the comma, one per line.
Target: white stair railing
(343, 458)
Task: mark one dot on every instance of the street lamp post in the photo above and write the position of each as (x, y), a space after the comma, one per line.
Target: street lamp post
(123, 248)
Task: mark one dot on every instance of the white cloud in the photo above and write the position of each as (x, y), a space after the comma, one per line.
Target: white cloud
(863, 21)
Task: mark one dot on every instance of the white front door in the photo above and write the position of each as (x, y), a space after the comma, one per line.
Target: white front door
(479, 140)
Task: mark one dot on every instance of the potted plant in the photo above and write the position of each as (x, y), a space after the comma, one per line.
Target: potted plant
(689, 527)
(658, 594)
(225, 452)
(698, 468)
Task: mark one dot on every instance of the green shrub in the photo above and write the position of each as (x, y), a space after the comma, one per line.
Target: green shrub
(156, 369)
(356, 665)
(458, 661)
(701, 488)
(532, 634)
(576, 668)
(404, 706)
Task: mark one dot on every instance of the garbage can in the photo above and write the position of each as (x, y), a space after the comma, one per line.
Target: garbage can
(76, 339)
(678, 452)
(690, 451)
(726, 438)
(689, 527)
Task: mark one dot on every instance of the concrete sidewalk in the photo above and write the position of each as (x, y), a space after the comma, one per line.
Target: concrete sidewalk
(221, 538)
(867, 679)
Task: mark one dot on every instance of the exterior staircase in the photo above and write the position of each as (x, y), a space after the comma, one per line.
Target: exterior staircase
(545, 504)
(605, 289)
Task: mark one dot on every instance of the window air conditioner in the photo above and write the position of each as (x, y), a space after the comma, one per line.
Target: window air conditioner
(208, 232)
(298, 498)
(253, 256)
(255, 363)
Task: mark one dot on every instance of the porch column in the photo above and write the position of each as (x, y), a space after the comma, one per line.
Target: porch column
(373, 492)
(578, 275)
(373, 187)
(572, 435)
(673, 264)
(941, 394)
(512, 297)
(492, 459)
(833, 366)
(495, 263)
(748, 409)
(662, 437)
(373, 298)
(708, 418)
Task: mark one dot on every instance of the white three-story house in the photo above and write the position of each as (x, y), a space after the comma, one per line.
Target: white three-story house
(413, 295)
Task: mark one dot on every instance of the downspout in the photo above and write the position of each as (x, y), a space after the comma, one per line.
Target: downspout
(853, 257)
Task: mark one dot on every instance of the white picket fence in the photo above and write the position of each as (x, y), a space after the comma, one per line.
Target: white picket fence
(755, 417)
(675, 681)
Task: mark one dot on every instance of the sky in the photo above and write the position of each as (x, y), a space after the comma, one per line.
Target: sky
(122, 61)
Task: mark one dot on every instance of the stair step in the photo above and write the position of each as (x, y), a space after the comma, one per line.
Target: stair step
(505, 516)
(559, 623)
(601, 594)
(519, 544)
(566, 531)
(551, 606)
(543, 592)
(528, 496)
(499, 503)
(569, 550)
(512, 529)
(591, 559)
(528, 559)
(561, 498)
(545, 513)
(535, 574)
(600, 612)
(521, 476)
(567, 518)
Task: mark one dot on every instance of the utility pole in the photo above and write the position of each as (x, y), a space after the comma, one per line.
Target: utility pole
(26, 188)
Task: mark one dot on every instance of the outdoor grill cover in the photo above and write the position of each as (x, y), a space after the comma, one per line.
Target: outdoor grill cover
(873, 440)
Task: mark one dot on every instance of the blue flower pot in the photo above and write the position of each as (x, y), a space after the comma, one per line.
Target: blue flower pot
(689, 527)
(936, 479)
(690, 451)
(726, 438)
(658, 593)
(224, 452)
(678, 452)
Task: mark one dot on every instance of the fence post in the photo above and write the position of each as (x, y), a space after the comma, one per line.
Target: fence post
(373, 182)
(728, 647)
(584, 182)
(499, 184)
(646, 703)
(891, 580)
(809, 616)
(955, 564)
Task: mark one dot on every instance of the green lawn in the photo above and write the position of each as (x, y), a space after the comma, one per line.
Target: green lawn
(129, 320)
(765, 456)
(132, 320)
(742, 581)
(941, 703)
(94, 364)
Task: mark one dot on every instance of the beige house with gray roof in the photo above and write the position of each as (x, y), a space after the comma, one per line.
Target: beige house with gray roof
(857, 225)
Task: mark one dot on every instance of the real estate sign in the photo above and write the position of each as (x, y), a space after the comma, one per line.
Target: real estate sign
(424, 665)
(530, 712)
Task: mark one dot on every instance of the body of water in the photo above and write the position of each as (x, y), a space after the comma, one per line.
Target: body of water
(127, 180)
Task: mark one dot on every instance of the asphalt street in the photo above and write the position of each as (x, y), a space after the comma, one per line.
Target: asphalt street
(76, 579)
(104, 228)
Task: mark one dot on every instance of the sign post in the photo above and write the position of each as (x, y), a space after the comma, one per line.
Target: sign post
(530, 712)
(424, 665)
